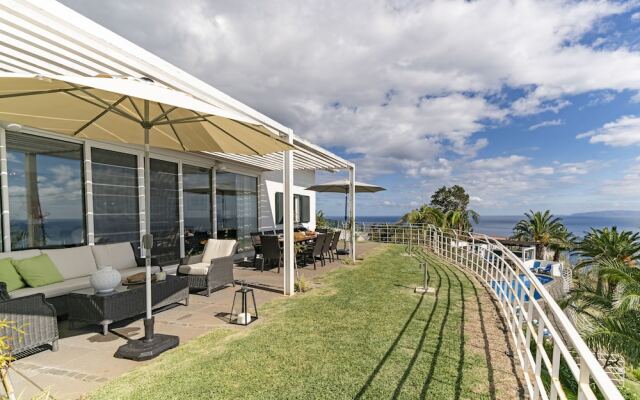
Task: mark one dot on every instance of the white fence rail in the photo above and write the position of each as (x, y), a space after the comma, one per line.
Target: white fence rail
(555, 361)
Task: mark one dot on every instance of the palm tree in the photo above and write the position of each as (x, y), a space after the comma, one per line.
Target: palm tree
(601, 245)
(609, 320)
(460, 220)
(425, 215)
(562, 240)
(540, 227)
(608, 243)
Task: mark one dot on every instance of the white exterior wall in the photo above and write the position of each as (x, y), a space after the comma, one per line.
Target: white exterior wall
(271, 183)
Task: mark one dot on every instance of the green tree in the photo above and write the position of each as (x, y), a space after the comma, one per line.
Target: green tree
(609, 321)
(321, 220)
(562, 240)
(607, 244)
(450, 198)
(541, 227)
(459, 220)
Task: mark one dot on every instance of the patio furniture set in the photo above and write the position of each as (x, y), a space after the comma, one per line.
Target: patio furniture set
(310, 246)
(36, 309)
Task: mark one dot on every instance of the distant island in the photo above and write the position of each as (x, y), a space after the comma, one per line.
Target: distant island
(609, 213)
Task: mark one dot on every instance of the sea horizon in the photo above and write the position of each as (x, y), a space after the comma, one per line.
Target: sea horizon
(502, 225)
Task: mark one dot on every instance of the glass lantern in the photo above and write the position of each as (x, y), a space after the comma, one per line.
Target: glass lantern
(244, 310)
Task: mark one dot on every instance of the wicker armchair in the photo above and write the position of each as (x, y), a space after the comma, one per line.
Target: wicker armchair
(211, 269)
(34, 315)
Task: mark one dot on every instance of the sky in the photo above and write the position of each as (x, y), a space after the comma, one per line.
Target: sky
(526, 104)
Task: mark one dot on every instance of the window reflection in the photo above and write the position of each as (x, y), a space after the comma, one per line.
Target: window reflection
(196, 187)
(165, 223)
(236, 207)
(46, 196)
(115, 197)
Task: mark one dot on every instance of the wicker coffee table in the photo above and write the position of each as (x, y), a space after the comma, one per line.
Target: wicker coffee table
(124, 302)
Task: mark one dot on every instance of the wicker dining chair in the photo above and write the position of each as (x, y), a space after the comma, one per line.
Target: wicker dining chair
(315, 250)
(270, 250)
(334, 246)
(257, 246)
(326, 248)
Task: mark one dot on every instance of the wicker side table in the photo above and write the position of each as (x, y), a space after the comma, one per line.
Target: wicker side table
(125, 302)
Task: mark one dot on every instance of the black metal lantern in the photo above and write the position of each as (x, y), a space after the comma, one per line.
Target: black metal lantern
(244, 310)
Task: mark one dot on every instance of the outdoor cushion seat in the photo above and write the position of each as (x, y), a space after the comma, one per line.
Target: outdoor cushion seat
(21, 254)
(170, 269)
(211, 269)
(73, 262)
(201, 268)
(117, 255)
(55, 289)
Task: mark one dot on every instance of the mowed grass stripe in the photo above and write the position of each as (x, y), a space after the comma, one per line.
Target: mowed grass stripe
(363, 333)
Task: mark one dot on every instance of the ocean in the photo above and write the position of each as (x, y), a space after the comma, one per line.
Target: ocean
(502, 225)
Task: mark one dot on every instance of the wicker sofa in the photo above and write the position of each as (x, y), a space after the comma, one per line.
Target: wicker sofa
(211, 269)
(34, 316)
(76, 264)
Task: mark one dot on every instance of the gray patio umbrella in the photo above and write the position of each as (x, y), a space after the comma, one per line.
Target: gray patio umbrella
(342, 186)
(133, 111)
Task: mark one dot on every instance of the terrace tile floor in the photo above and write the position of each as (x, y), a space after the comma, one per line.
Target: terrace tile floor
(85, 359)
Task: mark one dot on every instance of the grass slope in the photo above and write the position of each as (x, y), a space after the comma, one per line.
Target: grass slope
(364, 334)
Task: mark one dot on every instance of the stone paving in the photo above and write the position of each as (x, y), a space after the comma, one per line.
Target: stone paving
(85, 356)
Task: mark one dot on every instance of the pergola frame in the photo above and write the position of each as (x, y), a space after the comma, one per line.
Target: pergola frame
(46, 37)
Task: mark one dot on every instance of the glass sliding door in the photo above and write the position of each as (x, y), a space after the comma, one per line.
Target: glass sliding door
(198, 221)
(236, 207)
(46, 192)
(165, 219)
(115, 197)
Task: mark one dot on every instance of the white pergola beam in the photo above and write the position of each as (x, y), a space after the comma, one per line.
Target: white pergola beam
(352, 211)
(289, 249)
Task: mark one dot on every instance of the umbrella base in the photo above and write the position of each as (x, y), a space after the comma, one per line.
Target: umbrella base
(151, 346)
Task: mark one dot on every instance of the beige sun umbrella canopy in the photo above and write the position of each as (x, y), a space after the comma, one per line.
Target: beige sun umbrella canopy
(112, 108)
(343, 186)
(134, 111)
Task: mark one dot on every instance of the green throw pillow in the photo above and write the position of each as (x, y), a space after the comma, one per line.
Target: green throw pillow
(38, 271)
(9, 276)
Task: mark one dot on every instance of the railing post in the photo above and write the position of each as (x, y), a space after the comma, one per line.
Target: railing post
(583, 381)
(555, 371)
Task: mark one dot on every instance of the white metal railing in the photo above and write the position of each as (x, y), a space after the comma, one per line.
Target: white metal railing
(527, 306)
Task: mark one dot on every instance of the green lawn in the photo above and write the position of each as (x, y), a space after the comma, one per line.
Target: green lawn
(363, 334)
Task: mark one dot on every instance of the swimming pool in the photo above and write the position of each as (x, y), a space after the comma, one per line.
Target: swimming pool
(502, 288)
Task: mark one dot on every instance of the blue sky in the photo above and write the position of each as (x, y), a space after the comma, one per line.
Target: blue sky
(527, 104)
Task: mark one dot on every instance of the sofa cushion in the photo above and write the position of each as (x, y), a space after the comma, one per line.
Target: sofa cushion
(170, 269)
(55, 289)
(117, 255)
(195, 269)
(73, 262)
(21, 254)
(38, 271)
(130, 271)
(216, 248)
(9, 275)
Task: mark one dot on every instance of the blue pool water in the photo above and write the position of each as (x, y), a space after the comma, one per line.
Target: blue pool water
(502, 288)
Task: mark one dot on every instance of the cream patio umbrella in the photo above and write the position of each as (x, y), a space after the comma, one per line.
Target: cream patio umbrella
(342, 186)
(134, 111)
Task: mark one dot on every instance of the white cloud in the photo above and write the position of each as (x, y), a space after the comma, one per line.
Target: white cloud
(626, 187)
(399, 86)
(625, 131)
(544, 124)
(580, 168)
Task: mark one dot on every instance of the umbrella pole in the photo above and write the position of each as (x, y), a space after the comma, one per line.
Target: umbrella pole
(151, 345)
(344, 241)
